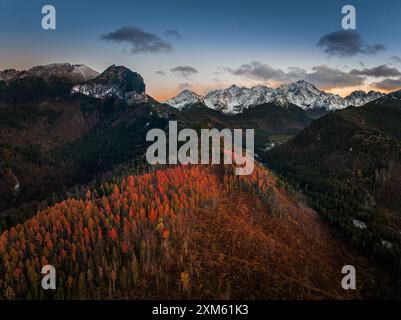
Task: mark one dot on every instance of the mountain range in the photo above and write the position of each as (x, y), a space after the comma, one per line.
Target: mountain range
(41, 82)
(234, 99)
(70, 72)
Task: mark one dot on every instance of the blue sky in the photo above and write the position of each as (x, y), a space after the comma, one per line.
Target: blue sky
(225, 42)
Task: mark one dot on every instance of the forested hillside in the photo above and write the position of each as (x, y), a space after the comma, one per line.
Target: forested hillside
(348, 164)
(182, 232)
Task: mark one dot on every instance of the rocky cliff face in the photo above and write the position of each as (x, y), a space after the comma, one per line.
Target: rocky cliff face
(116, 81)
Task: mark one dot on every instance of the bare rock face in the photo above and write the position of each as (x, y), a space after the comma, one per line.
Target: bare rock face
(8, 75)
(115, 81)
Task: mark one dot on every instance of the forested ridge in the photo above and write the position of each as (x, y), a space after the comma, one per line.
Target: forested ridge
(347, 164)
(137, 238)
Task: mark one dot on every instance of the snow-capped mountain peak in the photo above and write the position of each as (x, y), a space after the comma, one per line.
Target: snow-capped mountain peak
(360, 97)
(235, 99)
(300, 86)
(234, 90)
(300, 93)
(185, 98)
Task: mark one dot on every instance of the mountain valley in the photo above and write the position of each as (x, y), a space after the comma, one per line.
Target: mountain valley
(76, 191)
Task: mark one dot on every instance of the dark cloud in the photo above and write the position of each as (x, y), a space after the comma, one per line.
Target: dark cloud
(379, 71)
(140, 40)
(372, 48)
(296, 73)
(184, 71)
(395, 59)
(160, 72)
(388, 84)
(347, 43)
(326, 77)
(321, 76)
(258, 71)
(185, 86)
(171, 33)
